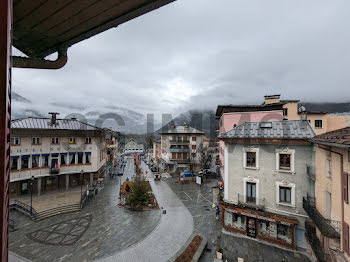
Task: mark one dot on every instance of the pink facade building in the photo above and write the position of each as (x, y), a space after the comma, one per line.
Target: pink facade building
(231, 116)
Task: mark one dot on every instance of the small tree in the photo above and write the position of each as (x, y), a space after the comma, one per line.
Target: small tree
(139, 193)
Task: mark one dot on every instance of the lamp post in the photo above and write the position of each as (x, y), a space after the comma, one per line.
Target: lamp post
(31, 195)
(81, 184)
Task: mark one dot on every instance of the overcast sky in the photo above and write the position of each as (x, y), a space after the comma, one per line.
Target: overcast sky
(196, 54)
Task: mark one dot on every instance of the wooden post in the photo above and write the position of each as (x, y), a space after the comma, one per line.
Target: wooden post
(5, 121)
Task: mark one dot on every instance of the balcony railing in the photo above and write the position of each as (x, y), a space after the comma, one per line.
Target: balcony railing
(54, 171)
(329, 228)
(176, 150)
(178, 159)
(179, 141)
(310, 233)
(256, 203)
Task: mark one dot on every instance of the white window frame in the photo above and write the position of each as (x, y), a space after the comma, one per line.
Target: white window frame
(254, 150)
(88, 140)
(292, 193)
(14, 139)
(56, 140)
(72, 140)
(36, 140)
(251, 180)
(292, 160)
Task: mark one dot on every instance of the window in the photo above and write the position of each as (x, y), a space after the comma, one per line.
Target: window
(284, 233)
(87, 158)
(45, 161)
(194, 146)
(329, 168)
(72, 159)
(54, 140)
(63, 160)
(285, 111)
(285, 194)
(24, 162)
(72, 140)
(285, 161)
(349, 155)
(36, 140)
(318, 123)
(251, 192)
(194, 138)
(193, 155)
(35, 161)
(173, 155)
(80, 158)
(14, 163)
(15, 141)
(251, 159)
(87, 140)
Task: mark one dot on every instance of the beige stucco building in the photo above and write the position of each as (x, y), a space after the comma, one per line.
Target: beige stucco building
(330, 210)
(54, 154)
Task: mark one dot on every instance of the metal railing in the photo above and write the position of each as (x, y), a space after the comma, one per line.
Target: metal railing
(329, 228)
(179, 150)
(257, 203)
(23, 207)
(179, 141)
(310, 233)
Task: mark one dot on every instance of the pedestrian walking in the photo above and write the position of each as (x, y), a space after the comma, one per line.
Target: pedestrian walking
(217, 213)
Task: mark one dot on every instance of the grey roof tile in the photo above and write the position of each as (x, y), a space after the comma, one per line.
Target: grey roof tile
(292, 129)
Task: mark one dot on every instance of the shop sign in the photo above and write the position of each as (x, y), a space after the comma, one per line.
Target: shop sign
(258, 217)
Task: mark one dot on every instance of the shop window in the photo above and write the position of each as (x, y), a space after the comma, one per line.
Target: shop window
(251, 159)
(87, 158)
(235, 220)
(63, 160)
(14, 163)
(285, 161)
(45, 161)
(194, 138)
(71, 159)
(267, 229)
(36, 140)
(251, 192)
(284, 233)
(24, 162)
(285, 194)
(80, 158)
(72, 140)
(54, 140)
(318, 123)
(87, 140)
(15, 141)
(35, 161)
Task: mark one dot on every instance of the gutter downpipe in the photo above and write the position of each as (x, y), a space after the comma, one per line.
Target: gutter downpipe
(39, 63)
(342, 193)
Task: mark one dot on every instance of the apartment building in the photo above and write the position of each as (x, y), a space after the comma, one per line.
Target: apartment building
(268, 170)
(329, 211)
(181, 148)
(112, 145)
(54, 154)
(156, 154)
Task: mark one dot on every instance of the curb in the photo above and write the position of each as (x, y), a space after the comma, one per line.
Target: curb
(198, 253)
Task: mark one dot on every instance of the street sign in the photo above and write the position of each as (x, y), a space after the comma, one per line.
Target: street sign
(198, 180)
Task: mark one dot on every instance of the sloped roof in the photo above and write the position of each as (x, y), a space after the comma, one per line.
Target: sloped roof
(221, 109)
(291, 129)
(181, 130)
(340, 137)
(44, 123)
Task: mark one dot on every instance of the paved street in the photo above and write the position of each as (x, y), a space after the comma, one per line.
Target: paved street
(173, 230)
(198, 201)
(99, 230)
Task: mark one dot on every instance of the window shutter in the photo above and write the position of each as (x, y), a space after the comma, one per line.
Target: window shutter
(345, 188)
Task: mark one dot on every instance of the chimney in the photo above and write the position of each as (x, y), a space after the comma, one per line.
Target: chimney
(272, 99)
(53, 118)
(186, 126)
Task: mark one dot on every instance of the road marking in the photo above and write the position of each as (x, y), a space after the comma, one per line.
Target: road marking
(187, 195)
(203, 198)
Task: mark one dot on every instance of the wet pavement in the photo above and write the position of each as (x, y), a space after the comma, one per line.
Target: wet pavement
(74, 237)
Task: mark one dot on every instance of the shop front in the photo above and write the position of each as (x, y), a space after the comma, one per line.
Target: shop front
(266, 226)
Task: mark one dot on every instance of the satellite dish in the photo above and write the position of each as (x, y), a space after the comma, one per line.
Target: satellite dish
(302, 109)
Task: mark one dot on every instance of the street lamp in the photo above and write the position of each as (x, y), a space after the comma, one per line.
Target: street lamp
(31, 195)
(81, 184)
